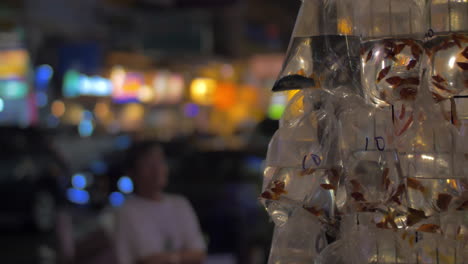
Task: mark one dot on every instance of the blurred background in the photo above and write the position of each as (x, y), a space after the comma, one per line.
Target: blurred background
(81, 80)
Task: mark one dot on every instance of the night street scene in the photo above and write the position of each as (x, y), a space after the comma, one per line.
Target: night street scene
(97, 94)
(234, 131)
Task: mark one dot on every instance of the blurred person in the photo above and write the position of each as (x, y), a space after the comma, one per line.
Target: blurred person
(154, 227)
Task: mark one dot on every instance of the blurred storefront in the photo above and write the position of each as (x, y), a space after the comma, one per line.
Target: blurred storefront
(219, 100)
(17, 98)
(134, 68)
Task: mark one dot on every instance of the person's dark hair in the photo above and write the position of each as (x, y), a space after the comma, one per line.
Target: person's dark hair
(139, 150)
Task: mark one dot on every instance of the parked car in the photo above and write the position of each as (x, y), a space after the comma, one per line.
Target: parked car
(32, 178)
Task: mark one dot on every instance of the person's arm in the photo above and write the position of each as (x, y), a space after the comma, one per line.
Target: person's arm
(194, 248)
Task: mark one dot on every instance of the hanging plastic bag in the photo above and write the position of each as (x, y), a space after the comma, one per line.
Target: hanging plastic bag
(323, 52)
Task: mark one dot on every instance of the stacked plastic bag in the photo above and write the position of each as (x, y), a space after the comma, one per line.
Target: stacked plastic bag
(370, 161)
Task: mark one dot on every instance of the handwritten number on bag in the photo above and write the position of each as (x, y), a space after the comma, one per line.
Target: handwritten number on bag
(315, 158)
(379, 142)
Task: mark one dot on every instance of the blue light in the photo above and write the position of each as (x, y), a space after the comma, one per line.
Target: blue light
(191, 110)
(77, 196)
(116, 199)
(79, 181)
(98, 167)
(87, 115)
(2, 105)
(123, 142)
(85, 128)
(52, 121)
(44, 72)
(41, 99)
(101, 86)
(43, 75)
(125, 184)
(86, 85)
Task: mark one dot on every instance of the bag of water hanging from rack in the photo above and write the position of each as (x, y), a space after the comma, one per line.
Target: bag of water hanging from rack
(323, 52)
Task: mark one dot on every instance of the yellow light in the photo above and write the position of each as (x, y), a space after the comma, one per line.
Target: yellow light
(249, 95)
(101, 110)
(58, 108)
(117, 77)
(296, 107)
(133, 112)
(345, 26)
(73, 114)
(145, 94)
(202, 90)
(427, 157)
(14, 63)
(452, 183)
(291, 93)
(131, 116)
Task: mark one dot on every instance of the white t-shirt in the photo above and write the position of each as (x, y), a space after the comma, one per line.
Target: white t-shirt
(146, 227)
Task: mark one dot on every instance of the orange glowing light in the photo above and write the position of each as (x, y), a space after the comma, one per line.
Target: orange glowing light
(345, 26)
(225, 96)
(248, 94)
(58, 108)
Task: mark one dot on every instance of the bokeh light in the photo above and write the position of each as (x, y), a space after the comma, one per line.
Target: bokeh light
(132, 116)
(43, 75)
(116, 199)
(73, 113)
(191, 110)
(86, 128)
(225, 96)
(125, 184)
(77, 196)
(13, 89)
(202, 90)
(71, 83)
(41, 99)
(58, 108)
(145, 94)
(79, 181)
(101, 110)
